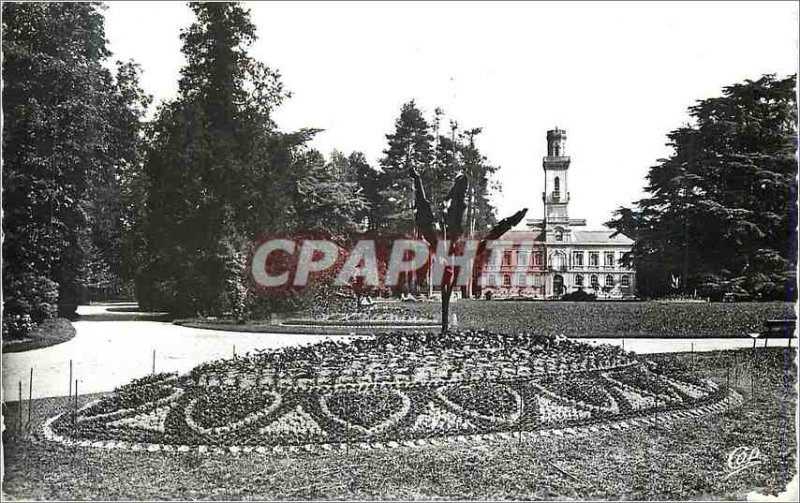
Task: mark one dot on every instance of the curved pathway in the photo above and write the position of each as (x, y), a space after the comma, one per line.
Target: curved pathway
(111, 348)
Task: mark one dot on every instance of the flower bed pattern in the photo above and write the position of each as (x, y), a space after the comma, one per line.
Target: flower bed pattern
(392, 389)
(374, 316)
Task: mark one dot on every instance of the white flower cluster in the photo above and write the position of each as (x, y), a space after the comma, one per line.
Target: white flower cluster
(612, 408)
(636, 400)
(436, 419)
(691, 390)
(177, 393)
(295, 423)
(552, 412)
(151, 421)
(661, 396)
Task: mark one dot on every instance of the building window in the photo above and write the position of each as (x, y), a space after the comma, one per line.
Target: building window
(608, 258)
(556, 189)
(579, 280)
(595, 283)
(506, 280)
(625, 280)
(577, 258)
(522, 258)
(537, 258)
(521, 280)
(558, 261)
(609, 280)
(559, 235)
(507, 258)
(594, 259)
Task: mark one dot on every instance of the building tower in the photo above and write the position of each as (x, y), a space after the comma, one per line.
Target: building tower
(556, 187)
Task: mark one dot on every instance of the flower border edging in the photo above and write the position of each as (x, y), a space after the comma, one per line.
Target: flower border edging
(668, 417)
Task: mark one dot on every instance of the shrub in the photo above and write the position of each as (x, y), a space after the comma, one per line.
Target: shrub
(29, 300)
(579, 296)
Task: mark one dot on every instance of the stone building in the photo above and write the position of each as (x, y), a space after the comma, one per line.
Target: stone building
(557, 255)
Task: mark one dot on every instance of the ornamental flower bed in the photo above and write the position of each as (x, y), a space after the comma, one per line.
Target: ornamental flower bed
(222, 410)
(587, 392)
(370, 316)
(490, 402)
(395, 387)
(368, 412)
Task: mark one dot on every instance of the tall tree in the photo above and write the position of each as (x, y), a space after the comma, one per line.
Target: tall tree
(720, 216)
(408, 147)
(116, 200)
(60, 111)
(217, 170)
(368, 180)
(220, 172)
(326, 198)
(480, 211)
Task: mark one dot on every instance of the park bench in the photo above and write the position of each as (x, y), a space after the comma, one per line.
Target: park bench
(779, 328)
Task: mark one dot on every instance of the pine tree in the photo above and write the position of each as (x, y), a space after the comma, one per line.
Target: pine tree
(408, 147)
(217, 170)
(720, 215)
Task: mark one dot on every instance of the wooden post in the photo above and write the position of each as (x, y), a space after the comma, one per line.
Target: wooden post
(658, 395)
(234, 350)
(70, 380)
(752, 373)
(30, 396)
(75, 413)
(154, 362)
(19, 409)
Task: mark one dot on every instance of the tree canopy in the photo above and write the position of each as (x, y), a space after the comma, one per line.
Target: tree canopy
(70, 136)
(219, 172)
(720, 216)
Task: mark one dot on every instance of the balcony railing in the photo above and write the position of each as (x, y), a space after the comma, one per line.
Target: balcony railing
(556, 197)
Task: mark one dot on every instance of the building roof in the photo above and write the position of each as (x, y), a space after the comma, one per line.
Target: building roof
(601, 237)
(517, 236)
(595, 237)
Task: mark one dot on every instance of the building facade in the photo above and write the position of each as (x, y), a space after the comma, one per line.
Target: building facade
(557, 255)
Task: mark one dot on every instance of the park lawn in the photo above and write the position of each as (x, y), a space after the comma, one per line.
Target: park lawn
(684, 461)
(573, 319)
(49, 333)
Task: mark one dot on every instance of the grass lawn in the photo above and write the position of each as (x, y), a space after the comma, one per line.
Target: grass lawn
(573, 319)
(51, 332)
(685, 461)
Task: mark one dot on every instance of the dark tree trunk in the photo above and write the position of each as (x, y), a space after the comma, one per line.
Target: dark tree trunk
(447, 291)
(445, 309)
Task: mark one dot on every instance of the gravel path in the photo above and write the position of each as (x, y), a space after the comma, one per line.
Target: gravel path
(110, 349)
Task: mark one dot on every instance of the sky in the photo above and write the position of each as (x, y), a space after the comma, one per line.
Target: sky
(617, 76)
